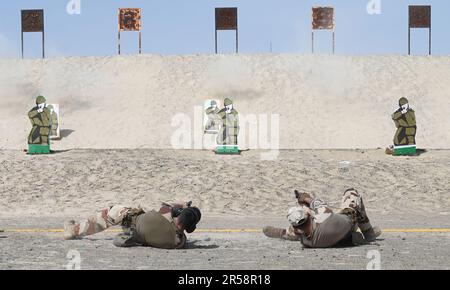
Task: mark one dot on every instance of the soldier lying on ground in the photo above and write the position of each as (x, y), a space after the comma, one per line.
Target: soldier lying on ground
(315, 225)
(162, 229)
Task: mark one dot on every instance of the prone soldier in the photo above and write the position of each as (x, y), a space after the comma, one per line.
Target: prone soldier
(315, 225)
(161, 229)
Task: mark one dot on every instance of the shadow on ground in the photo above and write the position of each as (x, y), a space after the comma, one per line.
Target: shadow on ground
(66, 133)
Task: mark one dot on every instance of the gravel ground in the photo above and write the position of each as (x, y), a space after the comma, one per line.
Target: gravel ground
(237, 192)
(215, 251)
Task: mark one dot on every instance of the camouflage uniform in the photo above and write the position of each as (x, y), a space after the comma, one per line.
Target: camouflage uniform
(352, 204)
(330, 229)
(229, 130)
(406, 125)
(135, 222)
(41, 122)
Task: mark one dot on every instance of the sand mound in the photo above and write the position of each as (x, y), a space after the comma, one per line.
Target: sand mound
(141, 101)
(78, 182)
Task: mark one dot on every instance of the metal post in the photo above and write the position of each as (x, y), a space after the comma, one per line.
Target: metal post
(237, 41)
(118, 41)
(43, 44)
(430, 32)
(312, 42)
(22, 44)
(216, 40)
(237, 33)
(140, 42)
(334, 39)
(409, 40)
(429, 37)
(43, 35)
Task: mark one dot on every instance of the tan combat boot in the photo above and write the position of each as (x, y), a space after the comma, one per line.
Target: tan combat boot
(371, 234)
(69, 230)
(358, 239)
(273, 232)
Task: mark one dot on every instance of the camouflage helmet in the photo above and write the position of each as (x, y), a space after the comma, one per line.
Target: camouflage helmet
(296, 216)
(403, 101)
(40, 100)
(50, 107)
(227, 102)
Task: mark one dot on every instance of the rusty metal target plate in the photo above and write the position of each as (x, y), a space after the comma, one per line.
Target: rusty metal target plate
(420, 16)
(130, 19)
(32, 20)
(323, 18)
(226, 19)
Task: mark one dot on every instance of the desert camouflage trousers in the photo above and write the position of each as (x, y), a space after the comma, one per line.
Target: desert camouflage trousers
(352, 205)
(103, 219)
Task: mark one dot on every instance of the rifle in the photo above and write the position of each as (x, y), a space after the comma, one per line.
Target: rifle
(176, 211)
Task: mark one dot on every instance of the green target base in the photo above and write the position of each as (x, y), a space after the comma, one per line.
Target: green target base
(227, 150)
(34, 149)
(405, 150)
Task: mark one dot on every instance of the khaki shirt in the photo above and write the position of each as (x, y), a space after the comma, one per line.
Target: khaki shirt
(328, 228)
(180, 238)
(158, 230)
(329, 232)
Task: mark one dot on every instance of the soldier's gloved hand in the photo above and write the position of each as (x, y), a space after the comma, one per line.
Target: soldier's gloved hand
(405, 109)
(176, 211)
(303, 198)
(40, 108)
(228, 109)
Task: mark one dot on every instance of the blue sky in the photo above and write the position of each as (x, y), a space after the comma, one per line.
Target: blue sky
(187, 27)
